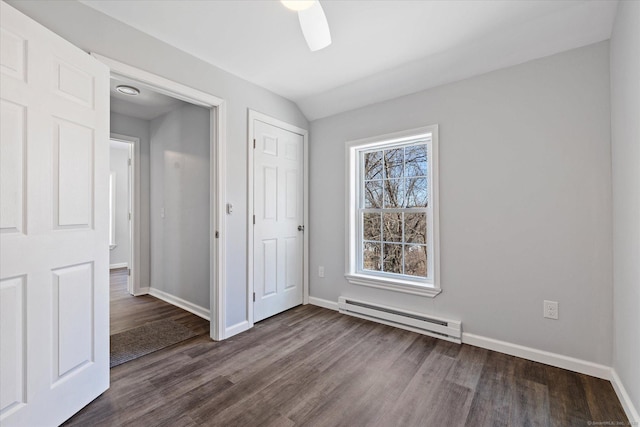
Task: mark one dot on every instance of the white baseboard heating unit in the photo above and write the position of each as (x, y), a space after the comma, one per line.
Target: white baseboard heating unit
(450, 330)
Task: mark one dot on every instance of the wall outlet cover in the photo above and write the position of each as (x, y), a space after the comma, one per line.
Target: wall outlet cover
(550, 309)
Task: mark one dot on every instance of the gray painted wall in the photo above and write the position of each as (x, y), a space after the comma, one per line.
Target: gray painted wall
(625, 139)
(180, 186)
(119, 164)
(130, 126)
(93, 31)
(525, 201)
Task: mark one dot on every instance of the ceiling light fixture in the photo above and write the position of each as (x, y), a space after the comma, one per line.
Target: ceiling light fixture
(298, 5)
(128, 90)
(313, 22)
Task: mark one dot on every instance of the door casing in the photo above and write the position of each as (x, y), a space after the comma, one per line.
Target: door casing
(133, 282)
(217, 181)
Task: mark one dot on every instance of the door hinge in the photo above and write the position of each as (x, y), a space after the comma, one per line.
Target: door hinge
(128, 272)
(129, 216)
(254, 220)
(254, 143)
(129, 162)
(254, 297)
(217, 234)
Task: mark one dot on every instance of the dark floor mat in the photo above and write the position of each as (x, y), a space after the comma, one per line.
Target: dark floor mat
(145, 339)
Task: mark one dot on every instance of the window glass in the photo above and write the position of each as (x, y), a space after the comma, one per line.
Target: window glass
(394, 221)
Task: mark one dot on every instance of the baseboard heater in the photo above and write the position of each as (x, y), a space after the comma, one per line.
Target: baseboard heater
(450, 330)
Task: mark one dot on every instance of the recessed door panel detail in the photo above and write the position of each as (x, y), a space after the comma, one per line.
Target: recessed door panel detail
(54, 282)
(72, 319)
(270, 145)
(270, 181)
(12, 345)
(12, 167)
(270, 264)
(291, 190)
(74, 84)
(291, 262)
(73, 172)
(291, 152)
(13, 55)
(278, 229)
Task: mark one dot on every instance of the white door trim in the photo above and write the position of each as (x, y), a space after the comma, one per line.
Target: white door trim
(133, 283)
(218, 141)
(255, 115)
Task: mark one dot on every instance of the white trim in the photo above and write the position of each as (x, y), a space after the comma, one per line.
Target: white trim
(142, 291)
(160, 84)
(324, 303)
(118, 265)
(392, 285)
(237, 328)
(627, 404)
(546, 357)
(218, 143)
(255, 115)
(113, 182)
(429, 288)
(133, 282)
(179, 302)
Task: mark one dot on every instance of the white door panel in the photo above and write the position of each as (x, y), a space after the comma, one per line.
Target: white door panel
(278, 205)
(54, 250)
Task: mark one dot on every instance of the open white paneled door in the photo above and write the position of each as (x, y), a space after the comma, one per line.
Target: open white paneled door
(54, 248)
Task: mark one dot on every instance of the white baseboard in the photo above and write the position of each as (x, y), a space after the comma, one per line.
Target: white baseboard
(630, 410)
(546, 357)
(331, 305)
(179, 302)
(118, 265)
(236, 329)
(142, 291)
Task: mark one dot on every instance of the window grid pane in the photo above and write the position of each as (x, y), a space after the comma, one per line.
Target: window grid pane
(393, 216)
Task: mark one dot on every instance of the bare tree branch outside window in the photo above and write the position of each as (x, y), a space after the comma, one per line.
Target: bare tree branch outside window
(393, 210)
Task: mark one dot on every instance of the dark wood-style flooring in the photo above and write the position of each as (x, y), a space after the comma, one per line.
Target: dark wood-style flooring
(315, 367)
(129, 312)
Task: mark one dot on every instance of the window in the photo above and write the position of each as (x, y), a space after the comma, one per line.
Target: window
(392, 205)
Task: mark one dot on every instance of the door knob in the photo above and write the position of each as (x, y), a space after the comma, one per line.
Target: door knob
(301, 228)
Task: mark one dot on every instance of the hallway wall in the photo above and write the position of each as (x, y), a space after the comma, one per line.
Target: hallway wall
(179, 200)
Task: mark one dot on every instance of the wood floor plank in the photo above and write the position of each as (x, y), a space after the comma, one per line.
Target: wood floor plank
(530, 405)
(315, 367)
(413, 406)
(568, 400)
(602, 411)
(494, 392)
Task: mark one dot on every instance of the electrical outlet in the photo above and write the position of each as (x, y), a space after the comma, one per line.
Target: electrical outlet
(321, 271)
(550, 309)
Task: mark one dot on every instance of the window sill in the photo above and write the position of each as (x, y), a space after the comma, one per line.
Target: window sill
(393, 285)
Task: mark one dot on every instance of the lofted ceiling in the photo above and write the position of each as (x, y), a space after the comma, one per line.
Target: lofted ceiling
(380, 50)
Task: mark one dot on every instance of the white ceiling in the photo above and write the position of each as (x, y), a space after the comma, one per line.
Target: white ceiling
(147, 105)
(381, 49)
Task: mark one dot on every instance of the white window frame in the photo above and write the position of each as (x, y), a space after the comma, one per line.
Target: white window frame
(430, 286)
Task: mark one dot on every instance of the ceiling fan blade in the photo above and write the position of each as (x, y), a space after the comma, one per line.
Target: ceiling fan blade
(315, 27)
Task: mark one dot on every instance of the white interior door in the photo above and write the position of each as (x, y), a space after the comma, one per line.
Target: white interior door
(54, 246)
(277, 232)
